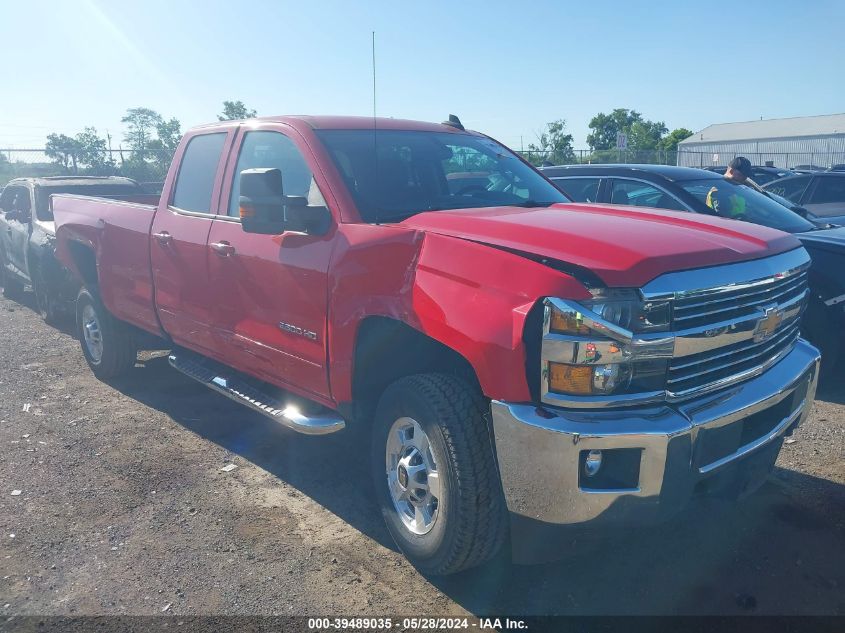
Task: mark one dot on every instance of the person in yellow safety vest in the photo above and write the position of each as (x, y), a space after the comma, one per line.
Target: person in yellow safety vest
(732, 206)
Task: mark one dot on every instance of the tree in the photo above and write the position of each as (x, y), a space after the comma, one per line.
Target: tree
(645, 134)
(64, 151)
(553, 145)
(234, 110)
(93, 152)
(605, 127)
(169, 134)
(670, 142)
(140, 125)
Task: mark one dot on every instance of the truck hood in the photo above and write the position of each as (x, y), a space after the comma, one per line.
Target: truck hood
(623, 246)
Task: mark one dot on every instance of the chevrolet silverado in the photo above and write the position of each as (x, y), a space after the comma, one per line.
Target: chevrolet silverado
(517, 360)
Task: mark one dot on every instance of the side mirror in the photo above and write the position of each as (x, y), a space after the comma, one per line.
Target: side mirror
(262, 204)
(266, 210)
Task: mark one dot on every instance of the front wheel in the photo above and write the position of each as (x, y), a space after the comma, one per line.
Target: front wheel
(435, 474)
(45, 297)
(107, 343)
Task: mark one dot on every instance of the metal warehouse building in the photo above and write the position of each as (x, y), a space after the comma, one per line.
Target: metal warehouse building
(785, 143)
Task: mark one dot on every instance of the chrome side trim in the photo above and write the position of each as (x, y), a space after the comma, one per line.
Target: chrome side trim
(242, 391)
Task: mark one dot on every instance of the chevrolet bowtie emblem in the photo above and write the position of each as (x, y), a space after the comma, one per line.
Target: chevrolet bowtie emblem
(768, 325)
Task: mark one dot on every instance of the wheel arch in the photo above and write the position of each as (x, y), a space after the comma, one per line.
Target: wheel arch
(387, 349)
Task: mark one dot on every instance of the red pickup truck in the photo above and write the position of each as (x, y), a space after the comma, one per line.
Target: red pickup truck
(520, 362)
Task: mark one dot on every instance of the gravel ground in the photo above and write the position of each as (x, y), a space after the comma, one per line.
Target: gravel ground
(125, 509)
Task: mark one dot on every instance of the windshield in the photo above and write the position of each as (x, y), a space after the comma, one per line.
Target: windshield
(739, 202)
(395, 174)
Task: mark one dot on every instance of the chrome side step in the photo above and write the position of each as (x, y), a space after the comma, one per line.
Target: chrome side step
(244, 390)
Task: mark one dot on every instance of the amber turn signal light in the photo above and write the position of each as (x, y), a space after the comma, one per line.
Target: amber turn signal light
(575, 379)
(568, 323)
(246, 211)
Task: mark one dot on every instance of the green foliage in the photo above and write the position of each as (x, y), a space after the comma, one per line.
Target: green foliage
(671, 140)
(93, 153)
(64, 151)
(151, 139)
(141, 123)
(642, 133)
(553, 146)
(235, 110)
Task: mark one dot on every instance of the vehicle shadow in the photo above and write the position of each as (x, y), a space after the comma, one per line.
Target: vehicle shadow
(778, 552)
(65, 324)
(832, 388)
(321, 467)
(768, 554)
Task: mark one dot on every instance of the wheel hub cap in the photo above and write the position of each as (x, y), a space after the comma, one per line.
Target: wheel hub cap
(92, 334)
(412, 476)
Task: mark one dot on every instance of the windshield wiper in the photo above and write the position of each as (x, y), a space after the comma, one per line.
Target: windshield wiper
(530, 204)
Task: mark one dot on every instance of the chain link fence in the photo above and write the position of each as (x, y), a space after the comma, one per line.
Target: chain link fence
(152, 165)
(783, 160)
(143, 166)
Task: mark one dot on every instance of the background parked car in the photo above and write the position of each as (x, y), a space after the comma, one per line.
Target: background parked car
(687, 189)
(807, 169)
(840, 167)
(760, 175)
(27, 235)
(821, 193)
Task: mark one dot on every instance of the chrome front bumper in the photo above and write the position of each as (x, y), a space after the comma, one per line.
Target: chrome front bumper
(658, 456)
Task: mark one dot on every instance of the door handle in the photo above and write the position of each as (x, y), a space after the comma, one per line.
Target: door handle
(163, 237)
(223, 248)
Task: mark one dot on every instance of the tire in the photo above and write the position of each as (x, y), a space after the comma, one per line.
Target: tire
(116, 353)
(818, 328)
(12, 287)
(44, 298)
(468, 521)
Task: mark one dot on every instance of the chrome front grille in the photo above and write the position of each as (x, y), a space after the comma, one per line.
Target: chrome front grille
(710, 308)
(687, 374)
(731, 322)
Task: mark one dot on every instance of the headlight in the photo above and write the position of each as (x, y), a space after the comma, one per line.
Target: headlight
(605, 346)
(623, 307)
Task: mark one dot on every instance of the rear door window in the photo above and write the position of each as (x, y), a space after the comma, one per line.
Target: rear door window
(639, 194)
(579, 189)
(197, 172)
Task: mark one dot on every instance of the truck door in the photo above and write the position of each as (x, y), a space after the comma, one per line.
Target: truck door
(271, 291)
(178, 249)
(17, 226)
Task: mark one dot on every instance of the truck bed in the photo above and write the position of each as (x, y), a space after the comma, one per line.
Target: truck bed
(118, 231)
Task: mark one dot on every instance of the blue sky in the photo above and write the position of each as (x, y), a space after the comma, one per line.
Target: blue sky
(506, 68)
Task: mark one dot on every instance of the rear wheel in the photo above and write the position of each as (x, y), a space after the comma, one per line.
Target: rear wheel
(107, 343)
(435, 473)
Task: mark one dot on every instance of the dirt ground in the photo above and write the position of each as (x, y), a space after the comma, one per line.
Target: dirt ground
(125, 509)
